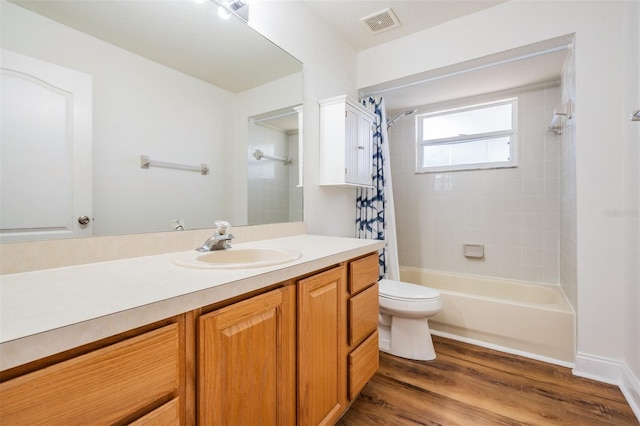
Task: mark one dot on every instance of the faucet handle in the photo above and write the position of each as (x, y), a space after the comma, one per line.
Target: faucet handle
(222, 227)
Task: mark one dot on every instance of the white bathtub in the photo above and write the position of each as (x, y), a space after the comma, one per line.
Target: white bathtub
(533, 320)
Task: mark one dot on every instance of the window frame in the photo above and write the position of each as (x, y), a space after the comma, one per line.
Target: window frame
(462, 106)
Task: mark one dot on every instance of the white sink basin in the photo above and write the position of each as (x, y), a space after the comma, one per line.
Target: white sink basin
(236, 258)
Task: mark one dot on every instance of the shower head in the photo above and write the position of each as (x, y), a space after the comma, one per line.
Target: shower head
(399, 116)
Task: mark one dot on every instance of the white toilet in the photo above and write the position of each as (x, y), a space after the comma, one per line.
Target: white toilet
(403, 325)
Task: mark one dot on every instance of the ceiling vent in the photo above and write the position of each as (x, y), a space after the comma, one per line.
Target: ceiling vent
(381, 21)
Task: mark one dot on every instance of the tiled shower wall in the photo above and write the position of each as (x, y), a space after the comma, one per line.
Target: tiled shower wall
(273, 195)
(514, 212)
(568, 244)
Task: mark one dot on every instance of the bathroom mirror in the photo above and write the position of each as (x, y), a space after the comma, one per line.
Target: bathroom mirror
(170, 84)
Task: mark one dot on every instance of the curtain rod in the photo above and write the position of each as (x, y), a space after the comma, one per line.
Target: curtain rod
(468, 70)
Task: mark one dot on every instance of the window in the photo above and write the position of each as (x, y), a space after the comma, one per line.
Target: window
(468, 138)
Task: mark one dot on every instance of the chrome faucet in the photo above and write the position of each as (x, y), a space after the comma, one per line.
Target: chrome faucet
(220, 238)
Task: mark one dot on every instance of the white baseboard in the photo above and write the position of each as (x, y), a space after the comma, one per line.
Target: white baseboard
(630, 387)
(612, 372)
(597, 368)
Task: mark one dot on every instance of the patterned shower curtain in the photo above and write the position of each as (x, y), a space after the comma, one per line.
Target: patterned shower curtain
(375, 217)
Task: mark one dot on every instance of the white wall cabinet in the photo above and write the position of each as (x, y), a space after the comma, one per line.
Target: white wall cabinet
(346, 143)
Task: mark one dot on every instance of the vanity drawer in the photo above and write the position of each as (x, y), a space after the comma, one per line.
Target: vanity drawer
(363, 363)
(363, 273)
(363, 314)
(165, 415)
(100, 387)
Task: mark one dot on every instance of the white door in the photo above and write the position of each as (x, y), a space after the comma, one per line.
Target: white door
(45, 150)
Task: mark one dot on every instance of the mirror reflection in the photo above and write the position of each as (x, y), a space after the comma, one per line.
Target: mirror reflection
(275, 186)
(93, 86)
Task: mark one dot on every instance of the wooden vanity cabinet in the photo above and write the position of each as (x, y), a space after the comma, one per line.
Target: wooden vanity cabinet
(321, 362)
(123, 382)
(247, 362)
(297, 353)
(337, 338)
(362, 323)
(324, 328)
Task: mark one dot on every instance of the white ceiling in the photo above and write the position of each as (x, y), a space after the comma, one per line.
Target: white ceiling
(528, 65)
(185, 36)
(180, 34)
(542, 62)
(343, 16)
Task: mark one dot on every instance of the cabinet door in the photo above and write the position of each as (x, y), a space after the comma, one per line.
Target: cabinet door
(358, 147)
(247, 362)
(321, 360)
(365, 149)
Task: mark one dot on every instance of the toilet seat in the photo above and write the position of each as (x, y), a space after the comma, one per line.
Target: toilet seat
(406, 292)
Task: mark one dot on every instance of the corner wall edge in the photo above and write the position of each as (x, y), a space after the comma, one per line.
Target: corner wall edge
(613, 372)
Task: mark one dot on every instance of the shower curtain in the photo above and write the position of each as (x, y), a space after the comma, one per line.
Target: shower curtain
(375, 217)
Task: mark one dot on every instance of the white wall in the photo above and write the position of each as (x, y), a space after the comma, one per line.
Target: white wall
(568, 239)
(295, 190)
(139, 107)
(632, 193)
(329, 70)
(602, 143)
(513, 212)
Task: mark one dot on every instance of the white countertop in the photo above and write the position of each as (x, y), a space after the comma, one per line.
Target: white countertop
(48, 311)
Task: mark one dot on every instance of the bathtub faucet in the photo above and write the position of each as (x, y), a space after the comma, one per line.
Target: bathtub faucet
(220, 238)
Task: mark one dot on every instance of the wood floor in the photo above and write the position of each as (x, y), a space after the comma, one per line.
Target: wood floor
(473, 386)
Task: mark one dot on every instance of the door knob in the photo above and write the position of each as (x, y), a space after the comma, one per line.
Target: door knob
(84, 220)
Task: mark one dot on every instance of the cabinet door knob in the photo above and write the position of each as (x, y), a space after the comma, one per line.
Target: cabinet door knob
(84, 220)
(360, 147)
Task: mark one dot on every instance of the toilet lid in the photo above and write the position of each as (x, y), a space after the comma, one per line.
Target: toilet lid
(398, 290)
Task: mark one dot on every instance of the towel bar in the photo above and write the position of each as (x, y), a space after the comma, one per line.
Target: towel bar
(146, 162)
